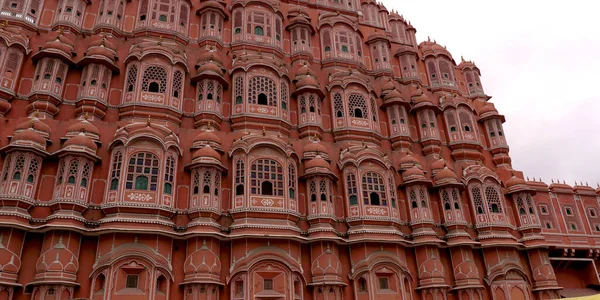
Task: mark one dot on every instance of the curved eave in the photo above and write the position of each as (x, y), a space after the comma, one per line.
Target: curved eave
(492, 115)
(201, 282)
(10, 147)
(318, 172)
(309, 89)
(422, 181)
(221, 11)
(211, 75)
(379, 37)
(301, 23)
(102, 60)
(445, 184)
(88, 154)
(520, 189)
(423, 105)
(52, 282)
(66, 57)
(395, 101)
(197, 163)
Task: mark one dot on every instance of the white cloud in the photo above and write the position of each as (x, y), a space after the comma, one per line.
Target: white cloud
(539, 61)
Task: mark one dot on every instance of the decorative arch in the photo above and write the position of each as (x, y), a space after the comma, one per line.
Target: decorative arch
(130, 251)
(160, 134)
(266, 254)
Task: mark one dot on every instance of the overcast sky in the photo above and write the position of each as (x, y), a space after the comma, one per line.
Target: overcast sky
(540, 62)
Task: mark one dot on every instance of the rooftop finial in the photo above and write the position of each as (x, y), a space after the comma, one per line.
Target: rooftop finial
(149, 120)
(160, 38)
(462, 58)
(103, 41)
(85, 116)
(31, 123)
(263, 131)
(36, 113)
(61, 31)
(4, 24)
(209, 125)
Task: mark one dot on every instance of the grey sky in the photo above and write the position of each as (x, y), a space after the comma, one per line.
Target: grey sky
(539, 62)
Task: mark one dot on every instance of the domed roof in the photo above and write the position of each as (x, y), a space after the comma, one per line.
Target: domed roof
(37, 125)
(58, 259)
(14, 36)
(29, 136)
(81, 140)
(414, 174)
(218, 5)
(393, 96)
(515, 181)
(307, 81)
(207, 136)
(304, 70)
(59, 46)
(317, 162)
(213, 56)
(316, 147)
(408, 161)
(206, 151)
(210, 66)
(202, 266)
(101, 51)
(388, 86)
(433, 48)
(326, 265)
(438, 164)
(84, 126)
(446, 177)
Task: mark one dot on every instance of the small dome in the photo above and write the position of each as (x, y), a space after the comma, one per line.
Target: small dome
(206, 151)
(438, 164)
(422, 99)
(316, 147)
(211, 4)
(413, 172)
(304, 71)
(388, 86)
(38, 125)
(300, 19)
(29, 135)
(210, 67)
(446, 175)
(327, 265)
(307, 81)
(513, 181)
(81, 140)
(211, 56)
(84, 126)
(488, 109)
(317, 162)
(207, 136)
(393, 95)
(435, 49)
(408, 160)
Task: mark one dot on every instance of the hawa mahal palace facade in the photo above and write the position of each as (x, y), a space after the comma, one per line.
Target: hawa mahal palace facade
(259, 149)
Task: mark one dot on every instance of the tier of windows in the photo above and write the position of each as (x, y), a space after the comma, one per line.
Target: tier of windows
(111, 13)
(211, 24)
(301, 39)
(427, 124)
(20, 174)
(526, 211)
(26, 10)
(209, 94)
(164, 15)
(320, 191)
(371, 14)
(309, 106)
(495, 133)
(380, 54)
(142, 177)
(460, 124)
(418, 197)
(257, 25)
(352, 109)
(50, 74)
(154, 84)
(73, 178)
(11, 59)
(400, 34)
(205, 189)
(70, 12)
(259, 93)
(339, 4)
(408, 64)
(398, 121)
(488, 203)
(95, 82)
(441, 72)
(341, 42)
(452, 206)
(473, 82)
(371, 193)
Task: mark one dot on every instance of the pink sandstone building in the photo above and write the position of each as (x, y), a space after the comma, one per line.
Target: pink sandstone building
(260, 149)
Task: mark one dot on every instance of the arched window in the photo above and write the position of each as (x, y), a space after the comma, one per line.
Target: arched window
(352, 189)
(477, 200)
(373, 189)
(262, 90)
(312, 189)
(259, 31)
(154, 80)
(493, 200)
(132, 78)
(115, 173)
(266, 178)
(292, 181)
(142, 172)
(338, 105)
(169, 175)
(239, 177)
(358, 106)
